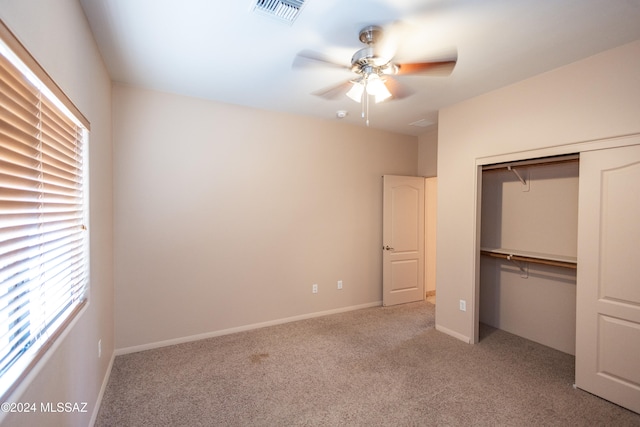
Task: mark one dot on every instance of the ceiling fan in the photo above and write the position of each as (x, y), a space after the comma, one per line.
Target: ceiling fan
(374, 70)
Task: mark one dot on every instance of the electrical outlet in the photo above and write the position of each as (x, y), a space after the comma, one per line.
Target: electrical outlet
(99, 348)
(463, 305)
(339, 284)
(314, 288)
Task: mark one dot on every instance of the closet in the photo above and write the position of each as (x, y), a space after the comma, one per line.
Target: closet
(529, 226)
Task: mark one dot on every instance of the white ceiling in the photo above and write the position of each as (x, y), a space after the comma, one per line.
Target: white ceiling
(222, 50)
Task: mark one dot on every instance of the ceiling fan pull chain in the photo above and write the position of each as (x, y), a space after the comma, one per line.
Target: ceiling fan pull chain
(365, 101)
(367, 119)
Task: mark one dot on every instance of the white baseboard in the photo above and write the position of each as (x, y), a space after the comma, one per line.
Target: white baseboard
(453, 333)
(105, 381)
(150, 346)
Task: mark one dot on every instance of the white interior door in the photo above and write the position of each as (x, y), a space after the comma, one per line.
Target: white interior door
(403, 240)
(608, 281)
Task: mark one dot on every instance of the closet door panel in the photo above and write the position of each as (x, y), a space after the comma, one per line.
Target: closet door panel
(608, 295)
(616, 334)
(619, 256)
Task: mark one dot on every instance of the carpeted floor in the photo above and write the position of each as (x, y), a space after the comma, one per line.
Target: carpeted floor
(383, 366)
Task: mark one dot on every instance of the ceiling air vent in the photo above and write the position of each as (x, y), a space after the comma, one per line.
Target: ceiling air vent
(422, 123)
(285, 10)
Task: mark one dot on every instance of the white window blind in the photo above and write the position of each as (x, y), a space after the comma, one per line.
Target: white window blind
(43, 237)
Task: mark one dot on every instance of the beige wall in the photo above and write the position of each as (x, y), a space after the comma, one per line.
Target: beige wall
(428, 167)
(57, 35)
(225, 216)
(595, 98)
(428, 153)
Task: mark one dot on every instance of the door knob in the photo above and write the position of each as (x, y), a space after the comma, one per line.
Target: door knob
(387, 248)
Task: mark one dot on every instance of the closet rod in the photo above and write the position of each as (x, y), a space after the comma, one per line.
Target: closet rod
(533, 162)
(530, 259)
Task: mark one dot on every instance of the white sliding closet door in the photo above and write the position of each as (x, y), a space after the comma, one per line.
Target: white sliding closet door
(608, 281)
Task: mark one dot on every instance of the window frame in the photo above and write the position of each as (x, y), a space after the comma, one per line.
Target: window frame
(30, 357)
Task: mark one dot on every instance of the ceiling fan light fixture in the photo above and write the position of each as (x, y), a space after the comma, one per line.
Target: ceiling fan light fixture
(383, 96)
(356, 91)
(377, 88)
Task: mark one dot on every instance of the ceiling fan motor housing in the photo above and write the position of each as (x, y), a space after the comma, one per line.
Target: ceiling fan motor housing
(370, 34)
(367, 60)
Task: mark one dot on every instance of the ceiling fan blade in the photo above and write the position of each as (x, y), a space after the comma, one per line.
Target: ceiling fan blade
(433, 68)
(398, 90)
(335, 92)
(390, 39)
(308, 58)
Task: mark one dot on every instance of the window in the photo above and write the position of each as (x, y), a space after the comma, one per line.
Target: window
(43, 233)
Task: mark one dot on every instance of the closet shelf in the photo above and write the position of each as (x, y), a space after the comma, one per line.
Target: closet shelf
(545, 161)
(528, 256)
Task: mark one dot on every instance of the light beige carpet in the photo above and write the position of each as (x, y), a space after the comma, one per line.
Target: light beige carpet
(383, 366)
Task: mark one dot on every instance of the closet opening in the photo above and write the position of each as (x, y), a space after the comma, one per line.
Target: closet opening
(528, 249)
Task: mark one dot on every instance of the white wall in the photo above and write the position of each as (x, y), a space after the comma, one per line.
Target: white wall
(57, 35)
(225, 216)
(595, 98)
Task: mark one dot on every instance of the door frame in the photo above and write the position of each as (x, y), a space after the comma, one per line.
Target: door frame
(577, 147)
